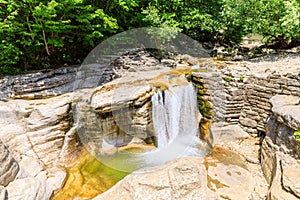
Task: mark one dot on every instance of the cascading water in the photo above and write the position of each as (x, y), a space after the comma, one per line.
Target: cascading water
(175, 114)
(175, 118)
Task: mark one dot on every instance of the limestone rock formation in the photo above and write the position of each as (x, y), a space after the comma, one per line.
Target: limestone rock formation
(122, 109)
(2, 193)
(28, 188)
(8, 168)
(235, 151)
(287, 110)
(36, 128)
(228, 181)
(38, 85)
(186, 178)
(38, 134)
(281, 150)
(35, 133)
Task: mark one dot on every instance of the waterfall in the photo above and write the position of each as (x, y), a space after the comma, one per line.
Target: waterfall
(175, 115)
(175, 118)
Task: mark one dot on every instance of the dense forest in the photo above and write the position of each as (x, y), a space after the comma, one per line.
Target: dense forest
(48, 34)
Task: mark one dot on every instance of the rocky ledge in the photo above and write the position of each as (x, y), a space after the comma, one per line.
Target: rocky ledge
(281, 150)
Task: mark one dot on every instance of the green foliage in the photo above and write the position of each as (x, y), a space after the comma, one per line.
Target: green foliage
(228, 20)
(35, 34)
(297, 135)
(278, 19)
(205, 107)
(41, 34)
(228, 78)
(242, 78)
(194, 18)
(166, 21)
(236, 18)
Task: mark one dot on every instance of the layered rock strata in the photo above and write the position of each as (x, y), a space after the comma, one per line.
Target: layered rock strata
(244, 90)
(280, 150)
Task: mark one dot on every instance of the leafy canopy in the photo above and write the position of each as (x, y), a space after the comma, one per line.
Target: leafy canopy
(42, 34)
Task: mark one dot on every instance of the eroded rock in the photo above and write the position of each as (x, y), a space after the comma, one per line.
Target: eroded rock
(281, 150)
(291, 175)
(28, 188)
(36, 128)
(8, 168)
(287, 110)
(2, 193)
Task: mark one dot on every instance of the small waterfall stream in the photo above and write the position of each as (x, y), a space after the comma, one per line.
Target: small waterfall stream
(175, 114)
(175, 118)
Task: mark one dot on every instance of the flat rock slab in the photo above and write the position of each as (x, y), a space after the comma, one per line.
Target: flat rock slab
(124, 90)
(287, 109)
(291, 175)
(187, 178)
(182, 179)
(230, 181)
(223, 133)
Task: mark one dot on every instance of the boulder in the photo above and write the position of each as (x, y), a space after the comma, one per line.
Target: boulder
(228, 133)
(291, 175)
(276, 190)
(280, 149)
(287, 110)
(55, 179)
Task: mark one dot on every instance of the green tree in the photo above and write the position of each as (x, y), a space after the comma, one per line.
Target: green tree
(41, 34)
(35, 34)
(278, 20)
(228, 20)
(195, 18)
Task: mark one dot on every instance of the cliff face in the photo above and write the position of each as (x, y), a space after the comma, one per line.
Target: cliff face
(240, 92)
